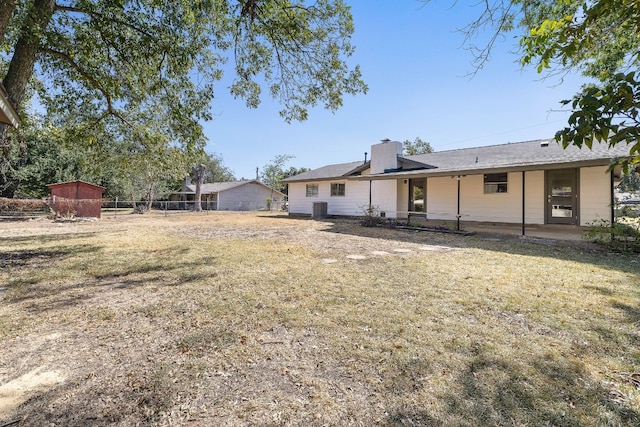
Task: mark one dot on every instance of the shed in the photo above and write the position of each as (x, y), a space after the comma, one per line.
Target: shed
(77, 198)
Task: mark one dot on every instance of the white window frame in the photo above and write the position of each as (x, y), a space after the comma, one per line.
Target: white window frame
(313, 192)
(496, 183)
(336, 188)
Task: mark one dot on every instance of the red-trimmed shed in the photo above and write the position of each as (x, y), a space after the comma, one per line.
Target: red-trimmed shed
(78, 198)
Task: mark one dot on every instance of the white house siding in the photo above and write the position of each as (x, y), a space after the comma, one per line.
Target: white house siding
(353, 203)
(246, 197)
(298, 203)
(534, 197)
(403, 197)
(475, 205)
(442, 198)
(384, 196)
(595, 195)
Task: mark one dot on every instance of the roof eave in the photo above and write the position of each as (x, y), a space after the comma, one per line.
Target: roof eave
(477, 171)
(8, 113)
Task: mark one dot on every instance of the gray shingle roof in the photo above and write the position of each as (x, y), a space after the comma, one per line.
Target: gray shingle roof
(519, 155)
(217, 187)
(325, 172)
(538, 154)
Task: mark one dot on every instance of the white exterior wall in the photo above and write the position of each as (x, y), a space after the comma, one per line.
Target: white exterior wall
(496, 207)
(403, 198)
(245, 197)
(384, 196)
(442, 198)
(353, 203)
(475, 205)
(595, 195)
(534, 204)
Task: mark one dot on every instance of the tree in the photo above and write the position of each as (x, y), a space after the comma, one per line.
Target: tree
(600, 39)
(216, 169)
(208, 168)
(418, 146)
(37, 159)
(274, 172)
(291, 172)
(630, 182)
(198, 173)
(119, 64)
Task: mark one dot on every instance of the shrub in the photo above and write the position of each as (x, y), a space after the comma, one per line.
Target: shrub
(617, 236)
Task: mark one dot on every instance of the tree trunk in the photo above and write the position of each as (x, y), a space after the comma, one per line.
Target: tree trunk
(24, 55)
(26, 50)
(197, 207)
(6, 12)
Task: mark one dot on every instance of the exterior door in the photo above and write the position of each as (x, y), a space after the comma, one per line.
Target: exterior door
(417, 199)
(562, 196)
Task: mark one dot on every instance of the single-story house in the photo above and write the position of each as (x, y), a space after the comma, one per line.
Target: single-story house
(77, 198)
(534, 182)
(228, 196)
(8, 113)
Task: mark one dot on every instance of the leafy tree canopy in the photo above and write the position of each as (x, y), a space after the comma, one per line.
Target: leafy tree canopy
(600, 39)
(418, 146)
(217, 171)
(273, 173)
(145, 70)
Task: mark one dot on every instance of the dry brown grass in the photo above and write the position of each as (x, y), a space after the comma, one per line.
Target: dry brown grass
(244, 319)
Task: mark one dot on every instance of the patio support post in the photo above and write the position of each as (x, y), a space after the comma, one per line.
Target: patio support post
(613, 202)
(458, 215)
(523, 203)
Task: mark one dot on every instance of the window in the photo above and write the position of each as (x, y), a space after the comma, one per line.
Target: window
(312, 190)
(495, 183)
(337, 189)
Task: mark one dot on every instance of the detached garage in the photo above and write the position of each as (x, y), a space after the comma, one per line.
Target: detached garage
(76, 198)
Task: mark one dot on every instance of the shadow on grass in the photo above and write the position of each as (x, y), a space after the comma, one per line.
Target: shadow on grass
(40, 258)
(35, 273)
(46, 238)
(493, 391)
(557, 249)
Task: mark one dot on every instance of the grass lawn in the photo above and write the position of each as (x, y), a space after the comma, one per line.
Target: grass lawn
(224, 319)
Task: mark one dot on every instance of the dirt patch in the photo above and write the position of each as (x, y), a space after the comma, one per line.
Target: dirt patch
(17, 391)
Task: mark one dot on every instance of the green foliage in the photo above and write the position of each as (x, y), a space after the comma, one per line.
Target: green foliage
(147, 67)
(630, 182)
(273, 173)
(418, 146)
(618, 237)
(608, 113)
(600, 39)
(217, 171)
(38, 158)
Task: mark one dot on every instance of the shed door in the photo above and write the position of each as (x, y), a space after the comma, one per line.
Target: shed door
(562, 196)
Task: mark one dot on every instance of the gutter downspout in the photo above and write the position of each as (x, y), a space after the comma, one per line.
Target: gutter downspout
(370, 206)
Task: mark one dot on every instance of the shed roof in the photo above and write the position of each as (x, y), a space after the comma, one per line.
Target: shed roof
(77, 181)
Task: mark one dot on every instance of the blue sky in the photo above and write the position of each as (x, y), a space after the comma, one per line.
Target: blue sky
(412, 59)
